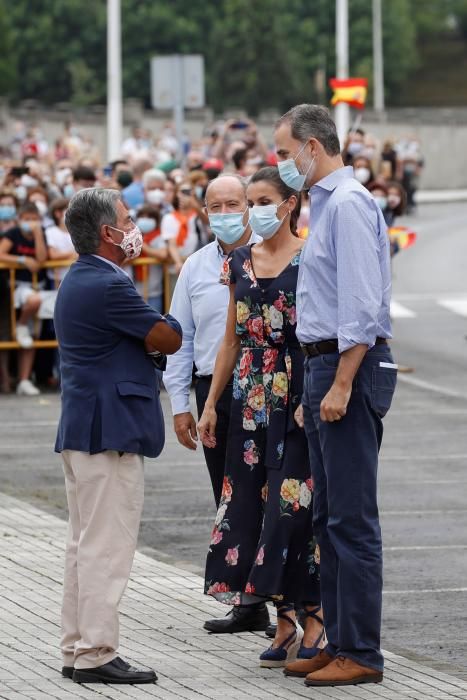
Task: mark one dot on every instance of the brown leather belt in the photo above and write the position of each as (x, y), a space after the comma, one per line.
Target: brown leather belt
(325, 347)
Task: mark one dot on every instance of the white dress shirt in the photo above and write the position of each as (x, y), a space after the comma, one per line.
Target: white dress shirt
(199, 304)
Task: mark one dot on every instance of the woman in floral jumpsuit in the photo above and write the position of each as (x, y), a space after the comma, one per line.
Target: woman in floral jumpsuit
(262, 545)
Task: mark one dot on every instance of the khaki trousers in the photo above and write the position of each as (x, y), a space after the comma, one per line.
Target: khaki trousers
(105, 495)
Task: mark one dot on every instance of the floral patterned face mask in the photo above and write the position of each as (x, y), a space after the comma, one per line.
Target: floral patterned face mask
(131, 243)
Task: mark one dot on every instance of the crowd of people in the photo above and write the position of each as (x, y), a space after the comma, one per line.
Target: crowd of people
(289, 341)
(166, 198)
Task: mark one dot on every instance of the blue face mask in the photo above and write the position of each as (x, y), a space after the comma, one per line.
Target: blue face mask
(7, 212)
(26, 227)
(382, 202)
(68, 191)
(264, 221)
(290, 174)
(146, 224)
(21, 192)
(228, 228)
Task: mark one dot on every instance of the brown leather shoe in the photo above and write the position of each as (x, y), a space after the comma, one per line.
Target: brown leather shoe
(303, 667)
(343, 671)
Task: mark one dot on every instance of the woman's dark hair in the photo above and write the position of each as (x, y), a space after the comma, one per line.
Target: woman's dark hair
(59, 204)
(271, 174)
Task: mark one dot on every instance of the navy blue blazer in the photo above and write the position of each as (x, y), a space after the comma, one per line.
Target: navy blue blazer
(110, 389)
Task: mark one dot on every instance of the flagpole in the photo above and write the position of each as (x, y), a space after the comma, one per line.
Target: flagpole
(378, 59)
(356, 123)
(342, 110)
(114, 80)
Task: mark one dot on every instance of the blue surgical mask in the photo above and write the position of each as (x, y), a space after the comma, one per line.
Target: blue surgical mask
(25, 227)
(264, 221)
(7, 212)
(291, 175)
(354, 147)
(382, 202)
(21, 192)
(146, 224)
(68, 191)
(228, 228)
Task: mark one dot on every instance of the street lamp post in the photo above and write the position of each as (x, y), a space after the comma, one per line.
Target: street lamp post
(378, 61)
(114, 80)
(342, 111)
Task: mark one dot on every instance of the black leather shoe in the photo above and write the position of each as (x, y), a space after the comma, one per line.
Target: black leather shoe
(67, 671)
(116, 671)
(245, 618)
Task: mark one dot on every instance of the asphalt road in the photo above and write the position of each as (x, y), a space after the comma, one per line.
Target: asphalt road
(423, 474)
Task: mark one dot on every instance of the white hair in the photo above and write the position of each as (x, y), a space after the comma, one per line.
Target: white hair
(153, 175)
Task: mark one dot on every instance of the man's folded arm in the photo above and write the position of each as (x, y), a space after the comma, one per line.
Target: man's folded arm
(165, 336)
(128, 313)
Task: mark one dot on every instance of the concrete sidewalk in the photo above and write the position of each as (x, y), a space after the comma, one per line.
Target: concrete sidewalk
(162, 615)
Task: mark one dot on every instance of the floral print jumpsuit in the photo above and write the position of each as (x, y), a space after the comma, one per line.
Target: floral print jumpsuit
(262, 544)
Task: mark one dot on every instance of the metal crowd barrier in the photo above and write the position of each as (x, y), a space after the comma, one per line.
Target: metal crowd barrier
(56, 265)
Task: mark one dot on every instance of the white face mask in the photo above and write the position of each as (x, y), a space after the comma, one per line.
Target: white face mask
(41, 207)
(131, 243)
(362, 175)
(393, 201)
(155, 196)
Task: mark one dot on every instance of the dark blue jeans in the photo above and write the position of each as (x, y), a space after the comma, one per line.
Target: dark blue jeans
(344, 466)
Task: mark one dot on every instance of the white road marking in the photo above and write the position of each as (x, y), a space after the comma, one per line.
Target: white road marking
(428, 547)
(410, 591)
(421, 458)
(448, 511)
(429, 386)
(457, 306)
(400, 311)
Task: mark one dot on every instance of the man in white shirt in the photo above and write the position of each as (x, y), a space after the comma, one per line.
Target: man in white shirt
(200, 303)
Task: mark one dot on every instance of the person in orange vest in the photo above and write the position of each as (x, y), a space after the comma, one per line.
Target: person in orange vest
(179, 228)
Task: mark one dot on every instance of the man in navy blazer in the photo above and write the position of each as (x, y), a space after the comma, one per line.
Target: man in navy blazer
(111, 418)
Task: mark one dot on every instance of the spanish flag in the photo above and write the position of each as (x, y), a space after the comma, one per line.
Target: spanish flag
(352, 91)
(402, 237)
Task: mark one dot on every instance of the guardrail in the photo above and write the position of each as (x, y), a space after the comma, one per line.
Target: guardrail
(60, 264)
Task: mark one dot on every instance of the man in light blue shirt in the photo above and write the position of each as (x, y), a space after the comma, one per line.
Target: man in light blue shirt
(343, 323)
(201, 303)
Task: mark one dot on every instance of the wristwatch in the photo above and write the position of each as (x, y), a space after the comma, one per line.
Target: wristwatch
(21, 259)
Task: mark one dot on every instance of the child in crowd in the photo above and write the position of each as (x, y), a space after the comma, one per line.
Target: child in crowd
(149, 279)
(25, 245)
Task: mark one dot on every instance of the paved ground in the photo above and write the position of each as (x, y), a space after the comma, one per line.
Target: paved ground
(162, 614)
(423, 478)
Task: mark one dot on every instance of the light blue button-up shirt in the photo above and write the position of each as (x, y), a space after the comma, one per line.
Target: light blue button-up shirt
(199, 304)
(344, 279)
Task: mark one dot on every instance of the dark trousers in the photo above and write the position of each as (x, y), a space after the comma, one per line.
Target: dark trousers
(215, 456)
(344, 465)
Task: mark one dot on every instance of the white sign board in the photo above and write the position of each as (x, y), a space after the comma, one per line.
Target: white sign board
(177, 79)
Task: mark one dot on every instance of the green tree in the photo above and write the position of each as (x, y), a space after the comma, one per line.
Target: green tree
(259, 55)
(7, 57)
(159, 28)
(400, 52)
(49, 38)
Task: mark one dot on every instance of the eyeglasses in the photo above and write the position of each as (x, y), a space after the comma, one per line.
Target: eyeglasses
(186, 191)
